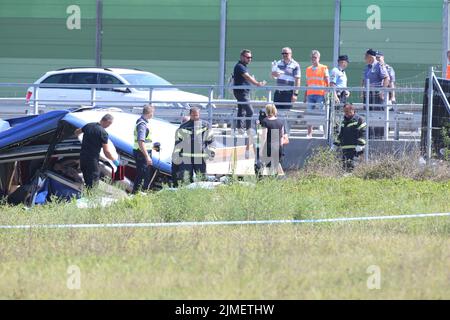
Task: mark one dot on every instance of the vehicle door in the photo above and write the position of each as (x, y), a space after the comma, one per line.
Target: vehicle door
(81, 95)
(54, 96)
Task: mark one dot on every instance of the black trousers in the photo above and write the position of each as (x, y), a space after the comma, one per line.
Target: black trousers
(374, 98)
(91, 172)
(348, 156)
(243, 96)
(144, 172)
(283, 96)
(190, 168)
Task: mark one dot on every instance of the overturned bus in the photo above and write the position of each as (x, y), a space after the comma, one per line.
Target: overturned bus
(39, 155)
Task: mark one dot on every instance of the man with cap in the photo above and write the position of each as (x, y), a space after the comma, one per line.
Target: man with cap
(391, 73)
(338, 79)
(378, 77)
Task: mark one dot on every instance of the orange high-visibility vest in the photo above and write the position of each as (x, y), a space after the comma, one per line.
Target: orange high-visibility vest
(317, 77)
(447, 76)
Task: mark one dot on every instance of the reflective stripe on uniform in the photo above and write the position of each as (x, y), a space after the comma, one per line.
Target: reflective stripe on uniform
(147, 142)
(348, 147)
(363, 125)
(351, 124)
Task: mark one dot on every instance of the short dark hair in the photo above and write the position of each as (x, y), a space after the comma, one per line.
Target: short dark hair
(244, 51)
(194, 109)
(348, 104)
(107, 117)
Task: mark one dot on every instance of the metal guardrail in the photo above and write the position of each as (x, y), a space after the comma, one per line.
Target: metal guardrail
(224, 109)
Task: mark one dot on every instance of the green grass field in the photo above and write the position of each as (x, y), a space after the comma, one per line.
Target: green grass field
(308, 261)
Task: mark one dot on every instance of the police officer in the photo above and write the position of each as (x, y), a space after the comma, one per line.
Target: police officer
(351, 136)
(391, 72)
(378, 78)
(194, 143)
(338, 79)
(94, 139)
(142, 150)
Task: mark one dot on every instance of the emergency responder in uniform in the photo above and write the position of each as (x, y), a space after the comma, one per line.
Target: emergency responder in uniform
(351, 136)
(95, 138)
(338, 79)
(194, 143)
(142, 150)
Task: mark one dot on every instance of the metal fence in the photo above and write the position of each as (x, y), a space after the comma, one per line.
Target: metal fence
(394, 119)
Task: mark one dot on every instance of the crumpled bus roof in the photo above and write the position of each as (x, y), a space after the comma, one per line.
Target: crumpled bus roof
(121, 132)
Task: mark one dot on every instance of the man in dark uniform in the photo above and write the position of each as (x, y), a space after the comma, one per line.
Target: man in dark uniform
(142, 150)
(391, 72)
(94, 139)
(351, 137)
(378, 77)
(194, 143)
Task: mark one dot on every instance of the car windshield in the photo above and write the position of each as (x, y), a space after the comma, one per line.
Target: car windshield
(145, 79)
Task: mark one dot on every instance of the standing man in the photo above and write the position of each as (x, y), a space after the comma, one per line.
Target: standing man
(142, 150)
(378, 77)
(194, 143)
(287, 72)
(242, 77)
(391, 74)
(94, 139)
(351, 137)
(316, 76)
(338, 79)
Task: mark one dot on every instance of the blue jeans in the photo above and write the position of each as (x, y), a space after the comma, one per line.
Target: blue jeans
(315, 101)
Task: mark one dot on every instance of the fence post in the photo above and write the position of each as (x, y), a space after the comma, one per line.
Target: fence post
(337, 30)
(222, 46)
(444, 37)
(99, 34)
(430, 114)
(93, 98)
(330, 118)
(367, 101)
(150, 95)
(36, 98)
(210, 111)
(386, 106)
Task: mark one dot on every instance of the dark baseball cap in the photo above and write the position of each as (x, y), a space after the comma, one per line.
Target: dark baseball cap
(380, 54)
(344, 57)
(371, 52)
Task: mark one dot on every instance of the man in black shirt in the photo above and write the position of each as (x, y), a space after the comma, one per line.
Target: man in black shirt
(95, 138)
(243, 78)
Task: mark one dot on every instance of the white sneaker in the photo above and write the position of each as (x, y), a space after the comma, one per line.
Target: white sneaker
(309, 136)
(321, 128)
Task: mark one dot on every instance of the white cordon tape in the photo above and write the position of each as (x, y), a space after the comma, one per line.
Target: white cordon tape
(216, 223)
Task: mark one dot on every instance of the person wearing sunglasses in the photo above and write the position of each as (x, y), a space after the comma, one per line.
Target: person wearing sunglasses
(287, 73)
(242, 77)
